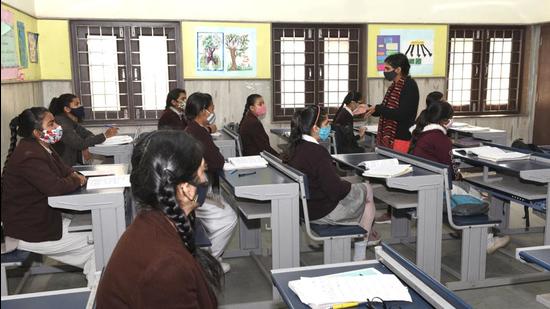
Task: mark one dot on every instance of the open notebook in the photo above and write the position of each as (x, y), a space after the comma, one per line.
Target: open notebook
(117, 140)
(496, 154)
(355, 286)
(247, 162)
(385, 168)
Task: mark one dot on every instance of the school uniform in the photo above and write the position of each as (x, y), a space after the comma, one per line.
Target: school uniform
(345, 137)
(172, 119)
(32, 174)
(75, 139)
(253, 136)
(434, 144)
(217, 217)
(332, 200)
(151, 268)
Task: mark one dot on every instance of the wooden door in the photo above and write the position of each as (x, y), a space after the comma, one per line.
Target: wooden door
(541, 129)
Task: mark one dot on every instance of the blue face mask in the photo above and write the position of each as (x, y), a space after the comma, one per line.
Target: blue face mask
(324, 133)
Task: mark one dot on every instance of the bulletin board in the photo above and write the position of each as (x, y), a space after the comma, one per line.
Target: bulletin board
(424, 45)
(226, 50)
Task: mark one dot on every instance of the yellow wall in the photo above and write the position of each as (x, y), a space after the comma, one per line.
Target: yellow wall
(54, 49)
(32, 72)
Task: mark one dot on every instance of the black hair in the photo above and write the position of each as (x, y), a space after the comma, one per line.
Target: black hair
(399, 60)
(58, 104)
(434, 113)
(174, 94)
(433, 97)
(196, 103)
(250, 100)
(302, 122)
(351, 96)
(161, 160)
(23, 125)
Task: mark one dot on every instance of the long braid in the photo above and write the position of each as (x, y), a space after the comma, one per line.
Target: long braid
(183, 224)
(14, 124)
(250, 100)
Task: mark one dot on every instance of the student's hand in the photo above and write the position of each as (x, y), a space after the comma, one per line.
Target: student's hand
(362, 131)
(361, 109)
(370, 111)
(213, 128)
(81, 178)
(86, 155)
(111, 132)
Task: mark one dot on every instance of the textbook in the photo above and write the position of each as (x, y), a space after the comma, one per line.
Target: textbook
(108, 182)
(385, 168)
(117, 140)
(356, 286)
(246, 162)
(496, 154)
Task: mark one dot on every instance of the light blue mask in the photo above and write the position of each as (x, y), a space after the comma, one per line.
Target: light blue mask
(324, 133)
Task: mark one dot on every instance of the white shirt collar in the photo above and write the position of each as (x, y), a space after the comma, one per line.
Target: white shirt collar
(349, 110)
(309, 138)
(435, 126)
(175, 110)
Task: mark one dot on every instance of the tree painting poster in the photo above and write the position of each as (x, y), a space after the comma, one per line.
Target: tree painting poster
(225, 52)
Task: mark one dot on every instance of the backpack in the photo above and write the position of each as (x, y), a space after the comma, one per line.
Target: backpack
(467, 205)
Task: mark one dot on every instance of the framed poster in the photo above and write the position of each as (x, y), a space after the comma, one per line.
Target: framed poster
(23, 60)
(226, 50)
(424, 45)
(32, 38)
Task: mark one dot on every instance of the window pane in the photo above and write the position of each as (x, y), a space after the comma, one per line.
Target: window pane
(336, 70)
(102, 57)
(460, 71)
(498, 77)
(293, 72)
(153, 60)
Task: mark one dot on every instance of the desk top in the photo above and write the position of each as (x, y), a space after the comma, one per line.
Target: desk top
(538, 256)
(265, 184)
(511, 166)
(222, 137)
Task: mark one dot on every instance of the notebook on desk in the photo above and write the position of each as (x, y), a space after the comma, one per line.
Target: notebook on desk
(246, 162)
(496, 154)
(385, 168)
(117, 140)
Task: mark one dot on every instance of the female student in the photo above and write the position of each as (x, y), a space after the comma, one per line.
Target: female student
(398, 109)
(173, 116)
(33, 171)
(343, 124)
(155, 263)
(430, 141)
(332, 200)
(218, 219)
(76, 139)
(251, 130)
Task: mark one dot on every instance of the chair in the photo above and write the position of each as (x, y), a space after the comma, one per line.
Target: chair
(336, 238)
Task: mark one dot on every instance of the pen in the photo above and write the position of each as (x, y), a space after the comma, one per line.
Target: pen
(246, 174)
(346, 305)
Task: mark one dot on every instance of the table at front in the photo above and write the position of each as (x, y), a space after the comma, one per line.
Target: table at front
(108, 213)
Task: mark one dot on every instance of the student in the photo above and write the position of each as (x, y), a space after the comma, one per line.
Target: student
(173, 116)
(251, 130)
(76, 139)
(218, 218)
(33, 171)
(332, 200)
(156, 263)
(433, 97)
(343, 124)
(430, 141)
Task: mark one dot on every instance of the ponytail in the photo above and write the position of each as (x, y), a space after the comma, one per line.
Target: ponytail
(434, 113)
(58, 104)
(351, 96)
(302, 122)
(14, 123)
(250, 100)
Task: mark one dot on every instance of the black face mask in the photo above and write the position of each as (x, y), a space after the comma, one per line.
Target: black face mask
(202, 190)
(390, 76)
(78, 112)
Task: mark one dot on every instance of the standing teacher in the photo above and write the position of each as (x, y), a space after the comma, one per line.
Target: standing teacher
(398, 109)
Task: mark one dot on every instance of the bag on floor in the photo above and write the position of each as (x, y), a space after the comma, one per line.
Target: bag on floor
(467, 205)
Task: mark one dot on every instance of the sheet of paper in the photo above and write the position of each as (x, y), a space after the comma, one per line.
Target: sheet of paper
(96, 173)
(379, 163)
(117, 140)
(247, 162)
(107, 182)
(216, 134)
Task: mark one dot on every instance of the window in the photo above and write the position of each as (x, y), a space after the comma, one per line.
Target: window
(123, 70)
(484, 69)
(314, 64)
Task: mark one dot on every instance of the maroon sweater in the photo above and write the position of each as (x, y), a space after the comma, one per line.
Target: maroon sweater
(171, 121)
(253, 136)
(326, 188)
(434, 145)
(31, 175)
(151, 268)
(212, 154)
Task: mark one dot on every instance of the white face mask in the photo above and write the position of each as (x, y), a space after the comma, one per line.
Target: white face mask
(211, 118)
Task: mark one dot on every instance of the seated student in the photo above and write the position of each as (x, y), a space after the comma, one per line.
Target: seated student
(218, 219)
(343, 124)
(251, 130)
(33, 171)
(76, 139)
(430, 141)
(332, 200)
(173, 116)
(156, 263)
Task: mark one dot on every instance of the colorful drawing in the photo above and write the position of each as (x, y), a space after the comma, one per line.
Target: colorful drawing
(237, 47)
(9, 52)
(210, 51)
(32, 38)
(23, 60)
(385, 45)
